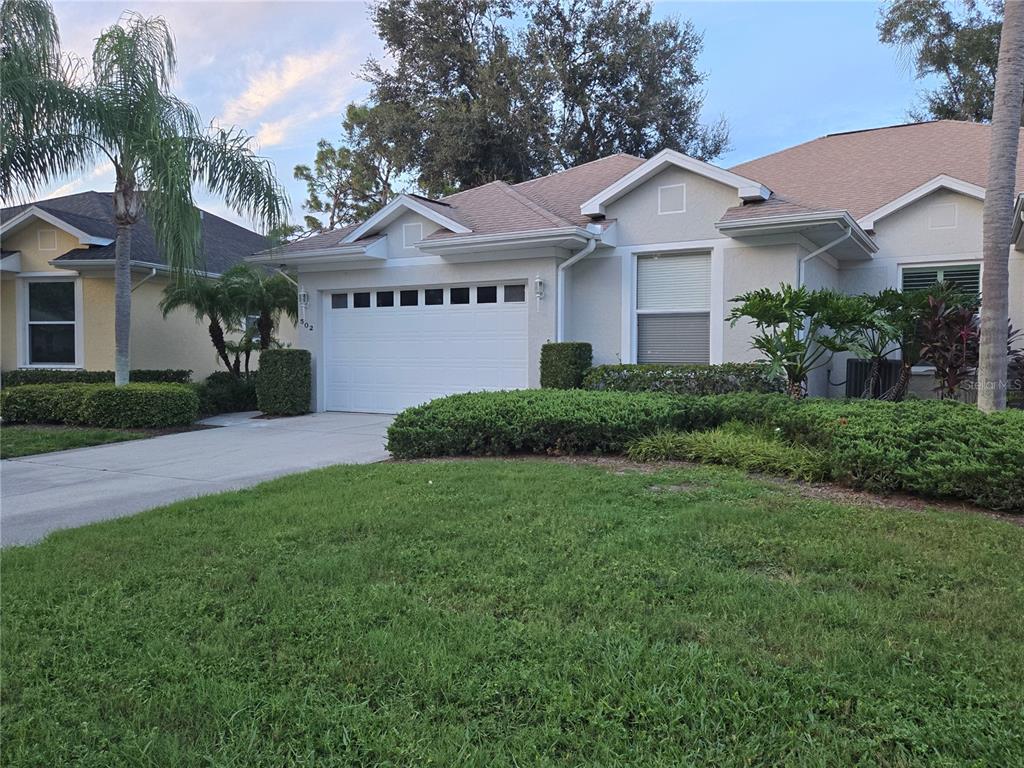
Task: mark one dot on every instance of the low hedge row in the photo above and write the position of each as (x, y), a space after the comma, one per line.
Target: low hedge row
(135, 406)
(223, 392)
(685, 379)
(24, 376)
(563, 364)
(927, 447)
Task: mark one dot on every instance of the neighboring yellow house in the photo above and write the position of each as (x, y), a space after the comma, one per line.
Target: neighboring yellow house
(57, 289)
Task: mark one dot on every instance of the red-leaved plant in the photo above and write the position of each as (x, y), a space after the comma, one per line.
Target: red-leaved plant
(949, 341)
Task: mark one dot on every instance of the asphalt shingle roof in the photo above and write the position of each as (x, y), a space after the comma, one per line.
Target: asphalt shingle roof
(224, 243)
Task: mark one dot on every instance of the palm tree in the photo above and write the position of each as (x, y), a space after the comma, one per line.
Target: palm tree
(124, 111)
(1002, 177)
(263, 296)
(210, 302)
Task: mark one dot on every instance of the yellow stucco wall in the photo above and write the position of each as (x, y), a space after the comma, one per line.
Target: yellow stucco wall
(175, 342)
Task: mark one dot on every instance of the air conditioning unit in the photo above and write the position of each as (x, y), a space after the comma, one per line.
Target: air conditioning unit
(857, 376)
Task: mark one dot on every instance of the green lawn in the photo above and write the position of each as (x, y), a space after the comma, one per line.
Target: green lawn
(516, 613)
(29, 439)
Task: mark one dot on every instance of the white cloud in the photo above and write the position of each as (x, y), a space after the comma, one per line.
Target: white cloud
(77, 185)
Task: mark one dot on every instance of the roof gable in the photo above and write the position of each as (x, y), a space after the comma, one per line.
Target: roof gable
(747, 189)
(429, 209)
(933, 185)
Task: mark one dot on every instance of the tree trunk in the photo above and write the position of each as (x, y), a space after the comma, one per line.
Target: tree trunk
(122, 304)
(217, 337)
(871, 383)
(1002, 172)
(898, 391)
(265, 325)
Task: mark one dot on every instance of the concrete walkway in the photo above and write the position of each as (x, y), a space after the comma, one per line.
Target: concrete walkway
(40, 494)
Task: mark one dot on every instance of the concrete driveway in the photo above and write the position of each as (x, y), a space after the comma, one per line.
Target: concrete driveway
(40, 494)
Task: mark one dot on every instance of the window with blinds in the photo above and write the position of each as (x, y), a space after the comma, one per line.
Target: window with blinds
(967, 277)
(673, 303)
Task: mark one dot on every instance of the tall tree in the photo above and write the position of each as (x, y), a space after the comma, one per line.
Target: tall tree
(616, 80)
(956, 42)
(1002, 178)
(125, 112)
(478, 95)
(354, 180)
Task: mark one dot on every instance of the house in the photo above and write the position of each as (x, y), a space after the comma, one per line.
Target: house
(638, 257)
(57, 288)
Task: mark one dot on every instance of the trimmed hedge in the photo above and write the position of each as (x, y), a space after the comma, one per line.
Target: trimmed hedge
(222, 392)
(686, 379)
(563, 364)
(25, 376)
(284, 384)
(146, 406)
(537, 421)
(931, 448)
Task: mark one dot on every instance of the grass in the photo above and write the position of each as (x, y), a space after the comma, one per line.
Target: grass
(24, 440)
(516, 613)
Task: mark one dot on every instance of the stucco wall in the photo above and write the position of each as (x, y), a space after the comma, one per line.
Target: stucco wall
(435, 272)
(822, 273)
(8, 324)
(594, 305)
(640, 223)
(395, 235)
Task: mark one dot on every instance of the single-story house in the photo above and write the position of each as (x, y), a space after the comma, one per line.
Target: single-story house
(57, 288)
(639, 257)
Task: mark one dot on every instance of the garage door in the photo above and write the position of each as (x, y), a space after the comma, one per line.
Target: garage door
(386, 350)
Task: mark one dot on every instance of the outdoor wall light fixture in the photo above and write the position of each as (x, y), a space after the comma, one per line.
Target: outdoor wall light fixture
(538, 287)
(303, 302)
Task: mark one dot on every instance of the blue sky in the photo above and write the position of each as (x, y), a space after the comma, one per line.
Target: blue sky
(780, 73)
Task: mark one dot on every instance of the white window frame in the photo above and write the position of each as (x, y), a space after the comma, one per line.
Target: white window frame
(637, 312)
(39, 239)
(406, 242)
(22, 313)
(661, 208)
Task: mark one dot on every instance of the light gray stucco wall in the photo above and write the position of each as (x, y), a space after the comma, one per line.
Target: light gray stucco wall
(747, 268)
(638, 220)
(432, 271)
(822, 272)
(395, 234)
(594, 305)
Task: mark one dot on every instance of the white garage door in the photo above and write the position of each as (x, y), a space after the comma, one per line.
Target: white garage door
(386, 350)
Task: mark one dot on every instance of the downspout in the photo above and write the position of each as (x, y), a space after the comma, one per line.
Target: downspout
(560, 288)
(151, 275)
(286, 276)
(814, 254)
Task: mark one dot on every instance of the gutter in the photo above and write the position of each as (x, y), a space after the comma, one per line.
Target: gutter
(560, 286)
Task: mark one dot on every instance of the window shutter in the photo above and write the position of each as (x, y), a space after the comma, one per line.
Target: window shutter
(674, 338)
(967, 277)
(919, 277)
(680, 282)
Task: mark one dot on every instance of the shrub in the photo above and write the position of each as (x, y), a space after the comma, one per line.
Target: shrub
(685, 379)
(24, 376)
(737, 445)
(538, 421)
(563, 364)
(284, 383)
(222, 392)
(101, 405)
(44, 403)
(148, 406)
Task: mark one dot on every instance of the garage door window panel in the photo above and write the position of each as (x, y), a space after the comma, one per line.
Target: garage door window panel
(515, 293)
(673, 315)
(361, 300)
(385, 298)
(459, 296)
(409, 298)
(433, 297)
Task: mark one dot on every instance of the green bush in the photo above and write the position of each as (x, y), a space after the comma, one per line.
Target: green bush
(25, 376)
(537, 421)
(284, 382)
(747, 447)
(101, 405)
(563, 364)
(932, 448)
(44, 403)
(685, 379)
(223, 392)
(148, 406)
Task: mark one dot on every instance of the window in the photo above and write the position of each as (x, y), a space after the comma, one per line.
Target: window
(433, 296)
(460, 296)
(672, 199)
(385, 298)
(47, 239)
(673, 303)
(409, 298)
(967, 277)
(360, 300)
(411, 234)
(487, 294)
(515, 293)
(51, 322)
(339, 301)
